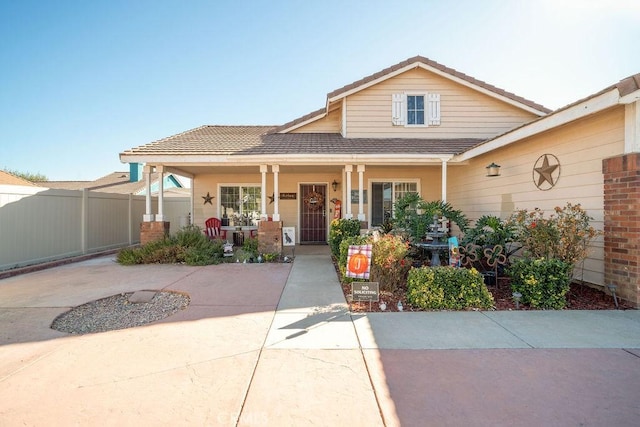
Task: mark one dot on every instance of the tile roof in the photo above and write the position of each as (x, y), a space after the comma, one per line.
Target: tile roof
(256, 140)
(207, 139)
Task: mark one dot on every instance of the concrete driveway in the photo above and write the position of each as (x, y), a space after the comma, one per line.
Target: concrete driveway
(275, 344)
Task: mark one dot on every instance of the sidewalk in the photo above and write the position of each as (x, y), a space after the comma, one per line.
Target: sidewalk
(274, 344)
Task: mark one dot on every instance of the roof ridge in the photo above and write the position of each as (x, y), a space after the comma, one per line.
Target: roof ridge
(445, 69)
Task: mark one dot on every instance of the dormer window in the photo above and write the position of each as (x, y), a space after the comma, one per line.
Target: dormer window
(415, 109)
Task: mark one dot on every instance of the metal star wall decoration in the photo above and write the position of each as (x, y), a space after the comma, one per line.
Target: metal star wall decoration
(547, 169)
(272, 197)
(207, 199)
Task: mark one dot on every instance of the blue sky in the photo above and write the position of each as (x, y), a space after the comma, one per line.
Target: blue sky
(82, 81)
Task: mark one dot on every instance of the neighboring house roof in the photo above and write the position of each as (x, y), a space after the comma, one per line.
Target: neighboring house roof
(255, 140)
(428, 64)
(11, 179)
(115, 182)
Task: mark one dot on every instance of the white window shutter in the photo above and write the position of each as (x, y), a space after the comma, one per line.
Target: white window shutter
(398, 107)
(434, 108)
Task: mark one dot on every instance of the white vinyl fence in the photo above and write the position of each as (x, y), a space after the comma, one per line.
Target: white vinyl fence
(40, 224)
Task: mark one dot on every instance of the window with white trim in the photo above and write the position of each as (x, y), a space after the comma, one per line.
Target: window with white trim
(415, 109)
(384, 195)
(241, 201)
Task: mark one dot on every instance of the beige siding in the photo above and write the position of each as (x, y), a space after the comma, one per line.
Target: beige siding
(465, 113)
(287, 183)
(331, 123)
(580, 148)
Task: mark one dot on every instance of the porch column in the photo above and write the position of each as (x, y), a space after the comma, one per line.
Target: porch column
(632, 128)
(361, 214)
(160, 216)
(148, 216)
(348, 169)
(263, 189)
(444, 180)
(276, 193)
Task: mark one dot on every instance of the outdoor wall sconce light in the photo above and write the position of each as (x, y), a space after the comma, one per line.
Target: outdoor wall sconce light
(334, 185)
(493, 170)
(613, 288)
(516, 298)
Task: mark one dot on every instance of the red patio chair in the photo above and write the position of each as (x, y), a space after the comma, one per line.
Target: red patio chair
(212, 229)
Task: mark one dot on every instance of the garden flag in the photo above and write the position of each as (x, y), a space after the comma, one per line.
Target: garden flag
(454, 252)
(359, 261)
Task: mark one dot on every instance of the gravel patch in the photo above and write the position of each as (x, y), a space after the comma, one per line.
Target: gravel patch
(117, 312)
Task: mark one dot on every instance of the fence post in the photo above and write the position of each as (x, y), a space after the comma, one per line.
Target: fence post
(130, 221)
(84, 222)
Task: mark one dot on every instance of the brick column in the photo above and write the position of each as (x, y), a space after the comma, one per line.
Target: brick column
(270, 237)
(150, 231)
(622, 225)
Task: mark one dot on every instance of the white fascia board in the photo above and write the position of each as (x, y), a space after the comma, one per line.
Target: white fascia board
(484, 90)
(442, 74)
(562, 117)
(306, 122)
(372, 83)
(176, 161)
(178, 171)
(630, 97)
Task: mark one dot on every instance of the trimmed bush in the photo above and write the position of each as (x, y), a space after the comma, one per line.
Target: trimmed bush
(339, 230)
(447, 288)
(543, 283)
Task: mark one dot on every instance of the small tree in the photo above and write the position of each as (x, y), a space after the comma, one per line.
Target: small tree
(28, 175)
(414, 215)
(564, 235)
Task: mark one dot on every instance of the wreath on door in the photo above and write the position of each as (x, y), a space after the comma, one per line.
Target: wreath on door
(314, 201)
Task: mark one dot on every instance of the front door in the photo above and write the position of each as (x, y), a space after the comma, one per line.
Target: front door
(313, 213)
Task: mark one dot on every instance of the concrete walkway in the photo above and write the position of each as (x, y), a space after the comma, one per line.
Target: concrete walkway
(275, 344)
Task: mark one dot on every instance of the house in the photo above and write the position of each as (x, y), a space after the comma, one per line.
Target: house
(124, 183)
(419, 126)
(7, 178)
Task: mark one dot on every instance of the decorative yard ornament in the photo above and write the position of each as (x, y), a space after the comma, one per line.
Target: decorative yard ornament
(359, 261)
(546, 172)
(314, 200)
(207, 199)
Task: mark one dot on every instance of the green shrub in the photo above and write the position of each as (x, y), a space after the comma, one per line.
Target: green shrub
(417, 224)
(543, 283)
(251, 246)
(189, 236)
(339, 230)
(447, 288)
(565, 234)
(271, 256)
(189, 245)
(389, 266)
(204, 254)
(129, 256)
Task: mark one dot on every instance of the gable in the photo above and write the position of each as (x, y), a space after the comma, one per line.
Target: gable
(464, 112)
